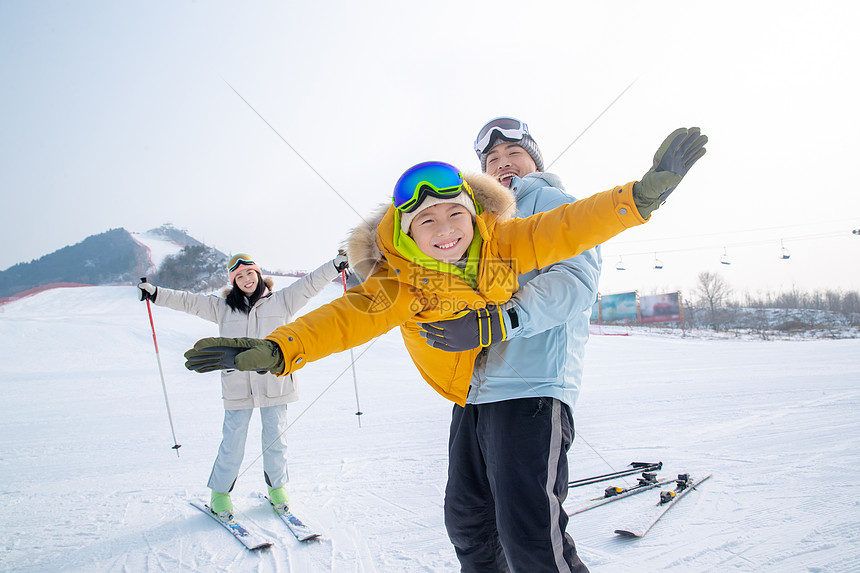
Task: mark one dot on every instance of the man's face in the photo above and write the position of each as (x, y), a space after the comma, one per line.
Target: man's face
(443, 231)
(508, 159)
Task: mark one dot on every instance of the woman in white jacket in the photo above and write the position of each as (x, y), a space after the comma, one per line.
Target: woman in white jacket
(249, 308)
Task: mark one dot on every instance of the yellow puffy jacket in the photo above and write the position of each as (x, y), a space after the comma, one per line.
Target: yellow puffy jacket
(399, 292)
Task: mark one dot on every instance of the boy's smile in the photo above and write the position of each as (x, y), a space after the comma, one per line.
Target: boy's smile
(443, 231)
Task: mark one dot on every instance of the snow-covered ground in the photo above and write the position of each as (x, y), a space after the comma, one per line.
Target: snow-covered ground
(89, 482)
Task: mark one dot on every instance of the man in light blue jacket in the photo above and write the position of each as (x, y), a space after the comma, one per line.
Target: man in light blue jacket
(508, 471)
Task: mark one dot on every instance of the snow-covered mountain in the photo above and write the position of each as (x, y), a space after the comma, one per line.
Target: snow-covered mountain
(118, 256)
(90, 482)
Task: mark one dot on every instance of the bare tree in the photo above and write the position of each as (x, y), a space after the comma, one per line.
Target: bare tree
(713, 290)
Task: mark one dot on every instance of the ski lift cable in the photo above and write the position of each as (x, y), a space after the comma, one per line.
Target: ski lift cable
(738, 232)
(831, 235)
(828, 235)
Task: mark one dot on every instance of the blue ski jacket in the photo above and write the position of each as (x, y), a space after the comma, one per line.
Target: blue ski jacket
(544, 353)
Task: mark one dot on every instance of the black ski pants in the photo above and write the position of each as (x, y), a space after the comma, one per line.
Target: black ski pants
(507, 480)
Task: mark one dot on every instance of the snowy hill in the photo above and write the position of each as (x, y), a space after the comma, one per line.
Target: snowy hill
(90, 482)
(120, 257)
(158, 246)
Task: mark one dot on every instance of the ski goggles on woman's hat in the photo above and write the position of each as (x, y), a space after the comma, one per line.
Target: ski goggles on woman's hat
(238, 260)
(507, 127)
(433, 179)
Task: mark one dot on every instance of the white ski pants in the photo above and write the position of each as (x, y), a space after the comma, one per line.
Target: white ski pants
(232, 450)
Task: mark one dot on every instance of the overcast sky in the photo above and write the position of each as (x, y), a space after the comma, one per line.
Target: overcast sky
(119, 114)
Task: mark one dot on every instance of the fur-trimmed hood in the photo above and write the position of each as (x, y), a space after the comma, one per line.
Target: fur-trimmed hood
(362, 247)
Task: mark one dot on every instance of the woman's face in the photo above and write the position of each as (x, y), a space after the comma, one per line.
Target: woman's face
(247, 279)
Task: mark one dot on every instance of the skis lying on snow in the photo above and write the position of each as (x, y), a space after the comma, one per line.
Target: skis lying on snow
(646, 482)
(636, 468)
(683, 485)
(298, 528)
(248, 538)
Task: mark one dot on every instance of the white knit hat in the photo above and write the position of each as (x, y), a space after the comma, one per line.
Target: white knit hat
(463, 199)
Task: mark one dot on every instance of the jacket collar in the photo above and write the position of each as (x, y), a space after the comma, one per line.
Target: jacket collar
(522, 187)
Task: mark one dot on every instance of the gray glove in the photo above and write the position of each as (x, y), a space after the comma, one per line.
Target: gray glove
(246, 354)
(146, 291)
(676, 155)
(481, 327)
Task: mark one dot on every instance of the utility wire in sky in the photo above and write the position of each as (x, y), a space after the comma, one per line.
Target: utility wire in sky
(299, 155)
(551, 163)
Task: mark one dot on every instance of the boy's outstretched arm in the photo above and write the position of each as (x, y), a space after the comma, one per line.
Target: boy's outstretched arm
(365, 312)
(673, 159)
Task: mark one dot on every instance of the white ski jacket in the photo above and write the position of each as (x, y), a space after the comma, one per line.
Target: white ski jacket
(245, 390)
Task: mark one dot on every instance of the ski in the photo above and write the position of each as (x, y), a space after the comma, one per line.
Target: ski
(296, 526)
(646, 482)
(248, 538)
(684, 484)
(636, 468)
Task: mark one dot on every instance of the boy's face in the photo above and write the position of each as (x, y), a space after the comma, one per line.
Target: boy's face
(443, 231)
(508, 159)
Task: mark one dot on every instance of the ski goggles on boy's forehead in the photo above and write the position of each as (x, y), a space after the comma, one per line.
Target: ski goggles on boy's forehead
(239, 260)
(434, 178)
(505, 126)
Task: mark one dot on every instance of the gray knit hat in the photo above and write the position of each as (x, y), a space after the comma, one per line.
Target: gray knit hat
(506, 129)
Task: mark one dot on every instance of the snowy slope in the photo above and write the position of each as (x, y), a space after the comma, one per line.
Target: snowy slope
(159, 248)
(89, 481)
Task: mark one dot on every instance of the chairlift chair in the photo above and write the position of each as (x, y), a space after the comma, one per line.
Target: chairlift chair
(725, 258)
(619, 266)
(783, 252)
(658, 264)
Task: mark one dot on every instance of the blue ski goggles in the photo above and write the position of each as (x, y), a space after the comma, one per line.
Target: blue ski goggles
(507, 127)
(432, 178)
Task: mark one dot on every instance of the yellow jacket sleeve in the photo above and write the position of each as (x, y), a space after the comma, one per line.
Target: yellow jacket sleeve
(567, 230)
(361, 314)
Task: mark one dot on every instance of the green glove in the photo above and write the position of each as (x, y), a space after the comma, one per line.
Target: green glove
(246, 354)
(676, 155)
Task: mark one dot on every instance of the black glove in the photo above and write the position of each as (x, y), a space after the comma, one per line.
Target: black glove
(246, 354)
(340, 261)
(146, 291)
(676, 155)
(481, 327)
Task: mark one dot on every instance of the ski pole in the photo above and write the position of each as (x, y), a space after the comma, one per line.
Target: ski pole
(637, 467)
(358, 411)
(161, 372)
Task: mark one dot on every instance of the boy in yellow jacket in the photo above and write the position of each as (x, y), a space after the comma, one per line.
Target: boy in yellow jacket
(448, 244)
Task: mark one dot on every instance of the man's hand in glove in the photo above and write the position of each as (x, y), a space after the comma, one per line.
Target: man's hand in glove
(480, 327)
(676, 155)
(246, 354)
